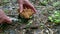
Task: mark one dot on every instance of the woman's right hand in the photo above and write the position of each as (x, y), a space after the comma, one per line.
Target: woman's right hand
(4, 18)
(27, 4)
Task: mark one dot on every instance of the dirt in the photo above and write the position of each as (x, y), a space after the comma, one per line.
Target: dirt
(40, 24)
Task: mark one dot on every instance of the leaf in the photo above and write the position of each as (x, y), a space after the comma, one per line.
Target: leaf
(50, 18)
(57, 21)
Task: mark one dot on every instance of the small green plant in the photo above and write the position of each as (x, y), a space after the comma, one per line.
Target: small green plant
(55, 17)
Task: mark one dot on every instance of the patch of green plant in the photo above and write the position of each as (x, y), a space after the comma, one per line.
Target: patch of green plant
(5, 0)
(55, 17)
(55, 4)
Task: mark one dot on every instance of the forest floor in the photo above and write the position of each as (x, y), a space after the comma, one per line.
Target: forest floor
(40, 23)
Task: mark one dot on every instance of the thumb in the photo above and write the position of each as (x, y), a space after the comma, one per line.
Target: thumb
(21, 8)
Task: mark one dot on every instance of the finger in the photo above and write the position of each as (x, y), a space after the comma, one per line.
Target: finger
(7, 20)
(30, 6)
(1, 15)
(21, 8)
(25, 6)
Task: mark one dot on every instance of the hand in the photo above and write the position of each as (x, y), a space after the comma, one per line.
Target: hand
(4, 18)
(25, 4)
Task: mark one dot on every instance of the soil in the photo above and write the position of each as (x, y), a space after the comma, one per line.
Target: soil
(40, 24)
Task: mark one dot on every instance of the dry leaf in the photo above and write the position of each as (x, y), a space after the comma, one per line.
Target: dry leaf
(26, 13)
